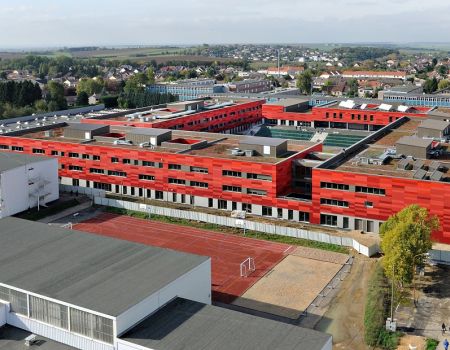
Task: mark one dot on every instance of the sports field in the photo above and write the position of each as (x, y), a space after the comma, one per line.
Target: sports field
(226, 251)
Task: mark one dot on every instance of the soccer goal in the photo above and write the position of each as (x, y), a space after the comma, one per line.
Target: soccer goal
(68, 225)
(247, 267)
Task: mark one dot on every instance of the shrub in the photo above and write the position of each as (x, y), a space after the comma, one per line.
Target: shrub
(431, 344)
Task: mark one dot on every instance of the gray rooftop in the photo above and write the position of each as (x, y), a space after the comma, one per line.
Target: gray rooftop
(146, 131)
(262, 141)
(12, 338)
(86, 126)
(11, 160)
(188, 325)
(420, 174)
(414, 141)
(287, 102)
(434, 124)
(99, 273)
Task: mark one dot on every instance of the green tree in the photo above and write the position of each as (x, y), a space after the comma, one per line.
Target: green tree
(405, 237)
(304, 81)
(82, 98)
(55, 96)
(353, 88)
(90, 86)
(442, 70)
(443, 84)
(431, 85)
(136, 82)
(150, 76)
(40, 106)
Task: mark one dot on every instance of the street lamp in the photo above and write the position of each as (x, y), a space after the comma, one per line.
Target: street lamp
(414, 268)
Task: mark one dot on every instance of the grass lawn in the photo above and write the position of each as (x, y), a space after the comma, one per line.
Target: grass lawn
(232, 230)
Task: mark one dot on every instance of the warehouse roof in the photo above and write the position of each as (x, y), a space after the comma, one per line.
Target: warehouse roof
(186, 325)
(434, 124)
(98, 273)
(414, 141)
(9, 160)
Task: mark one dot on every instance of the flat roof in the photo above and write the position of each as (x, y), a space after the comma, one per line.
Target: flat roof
(86, 126)
(142, 131)
(287, 102)
(434, 124)
(12, 338)
(186, 325)
(9, 160)
(262, 141)
(414, 141)
(99, 273)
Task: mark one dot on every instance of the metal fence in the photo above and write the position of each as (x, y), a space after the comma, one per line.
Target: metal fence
(238, 223)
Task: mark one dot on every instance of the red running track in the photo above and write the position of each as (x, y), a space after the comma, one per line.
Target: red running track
(226, 251)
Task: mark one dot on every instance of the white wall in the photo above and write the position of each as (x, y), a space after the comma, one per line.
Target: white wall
(194, 285)
(124, 345)
(56, 334)
(15, 189)
(3, 311)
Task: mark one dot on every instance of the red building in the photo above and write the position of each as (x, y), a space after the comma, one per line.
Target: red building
(356, 188)
(343, 115)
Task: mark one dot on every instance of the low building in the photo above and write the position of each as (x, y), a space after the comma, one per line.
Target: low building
(26, 181)
(250, 86)
(431, 128)
(414, 146)
(92, 292)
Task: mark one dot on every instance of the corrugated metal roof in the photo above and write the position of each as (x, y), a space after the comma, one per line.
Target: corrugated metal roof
(434, 124)
(188, 325)
(420, 174)
(99, 273)
(414, 141)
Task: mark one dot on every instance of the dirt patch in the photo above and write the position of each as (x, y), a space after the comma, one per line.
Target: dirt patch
(413, 340)
(316, 254)
(290, 287)
(344, 320)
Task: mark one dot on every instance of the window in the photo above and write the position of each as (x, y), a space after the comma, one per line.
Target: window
(177, 181)
(303, 216)
(329, 220)
(174, 167)
(114, 160)
(18, 300)
(75, 168)
(85, 156)
(159, 195)
(146, 177)
(147, 163)
(4, 147)
(96, 157)
(102, 186)
(259, 177)
(126, 161)
(228, 188)
(117, 173)
(75, 182)
(49, 312)
(231, 173)
(266, 211)
(247, 207)
(196, 169)
(222, 204)
(96, 171)
(370, 190)
(334, 186)
(92, 326)
(54, 153)
(210, 202)
(73, 155)
(370, 226)
(368, 204)
(199, 184)
(279, 213)
(17, 148)
(345, 223)
(334, 202)
(255, 192)
(38, 151)
(290, 214)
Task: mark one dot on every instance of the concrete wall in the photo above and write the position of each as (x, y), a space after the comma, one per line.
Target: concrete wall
(57, 334)
(194, 285)
(15, 186)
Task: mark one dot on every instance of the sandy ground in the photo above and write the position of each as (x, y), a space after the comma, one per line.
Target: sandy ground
(413, 340)
(290, 287)
(344, 318)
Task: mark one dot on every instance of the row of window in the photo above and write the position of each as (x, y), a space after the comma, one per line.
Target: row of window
(334, 202)
(358, 189)
(59, 315)
(233, 173)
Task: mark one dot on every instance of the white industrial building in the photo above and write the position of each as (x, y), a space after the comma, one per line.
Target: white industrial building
(26, 181)
(82, 291)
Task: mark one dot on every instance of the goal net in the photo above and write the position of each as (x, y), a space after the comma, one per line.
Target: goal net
(247, 267)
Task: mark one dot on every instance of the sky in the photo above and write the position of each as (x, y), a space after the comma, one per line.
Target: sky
(56, 23)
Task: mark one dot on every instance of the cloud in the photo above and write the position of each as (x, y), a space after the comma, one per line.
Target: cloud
(111, 22)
